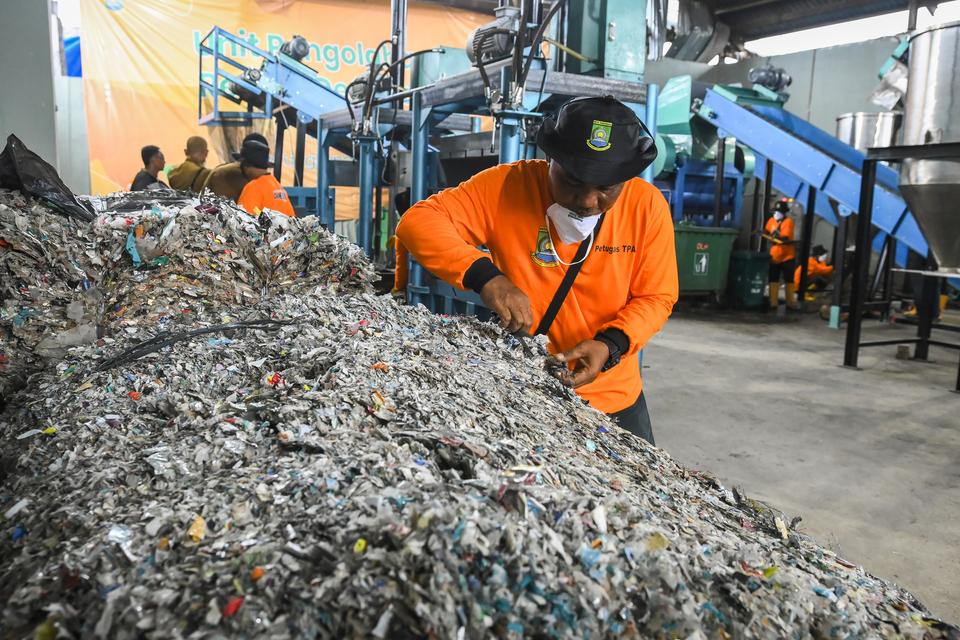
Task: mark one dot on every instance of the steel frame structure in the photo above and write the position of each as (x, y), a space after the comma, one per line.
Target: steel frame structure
(928, 304)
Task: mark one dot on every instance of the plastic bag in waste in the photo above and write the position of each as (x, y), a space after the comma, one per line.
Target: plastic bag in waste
(22, 169)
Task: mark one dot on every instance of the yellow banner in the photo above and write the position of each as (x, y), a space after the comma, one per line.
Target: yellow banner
(141, 57)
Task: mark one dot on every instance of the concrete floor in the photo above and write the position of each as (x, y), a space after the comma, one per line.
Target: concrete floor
(870, 459)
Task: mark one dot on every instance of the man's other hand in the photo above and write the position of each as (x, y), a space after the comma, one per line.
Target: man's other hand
(588, 357)
(510, 303)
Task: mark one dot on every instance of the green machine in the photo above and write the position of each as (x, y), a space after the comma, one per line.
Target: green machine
(610, 36)
(682, 134)
(686, 170)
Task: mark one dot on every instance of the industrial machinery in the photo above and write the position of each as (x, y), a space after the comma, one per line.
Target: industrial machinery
(932, 186)
(686, 167)
(862, 130)
(512, 82)
(427, 131)
(930, 182)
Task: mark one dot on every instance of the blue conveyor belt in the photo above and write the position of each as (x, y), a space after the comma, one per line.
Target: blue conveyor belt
(805, 155)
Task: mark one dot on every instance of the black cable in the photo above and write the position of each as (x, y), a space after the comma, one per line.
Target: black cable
(375, 68)
(478, 54)
(543, 82)
(346, 98)
(518, 43)
(167, 339)
(388, 69)
(536, 40)
(374, 80)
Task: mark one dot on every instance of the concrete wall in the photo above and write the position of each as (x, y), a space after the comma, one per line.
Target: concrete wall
(38, 103)
(27, 106)
(73, 155)
(829, 82)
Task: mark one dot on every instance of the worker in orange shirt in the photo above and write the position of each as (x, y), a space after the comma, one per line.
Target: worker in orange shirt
(263, 191)
(818, 271)
(579, 249)
(783, 254)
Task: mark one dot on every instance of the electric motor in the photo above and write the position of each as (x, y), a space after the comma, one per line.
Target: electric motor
(770, 77)
(297, 48)
(498, 46)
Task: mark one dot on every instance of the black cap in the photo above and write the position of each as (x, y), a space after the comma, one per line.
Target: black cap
(147, 153)
(783, 206)
(250, 136)
(599, 141)
(254, 153)
(818, 250)
(255, 136)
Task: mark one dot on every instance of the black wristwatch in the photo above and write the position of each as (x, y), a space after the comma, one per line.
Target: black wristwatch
(618, 344)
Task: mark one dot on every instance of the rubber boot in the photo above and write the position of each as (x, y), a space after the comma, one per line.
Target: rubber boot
(792, 296)
(774, 295)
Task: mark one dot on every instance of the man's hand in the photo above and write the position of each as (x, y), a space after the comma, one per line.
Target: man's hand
(510, 303)
(589, 356)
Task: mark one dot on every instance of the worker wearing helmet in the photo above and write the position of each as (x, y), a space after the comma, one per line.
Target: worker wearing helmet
(783, 254)
(580, 216)
(818, 271)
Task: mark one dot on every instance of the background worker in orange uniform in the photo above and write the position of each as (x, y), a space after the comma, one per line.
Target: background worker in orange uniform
(263, 191)
(227, 180)
(783, 254)
(818, 271)
(543, 221)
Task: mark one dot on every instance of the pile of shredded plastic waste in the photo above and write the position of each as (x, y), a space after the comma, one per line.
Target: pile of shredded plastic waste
(258, 446)
(148, 261)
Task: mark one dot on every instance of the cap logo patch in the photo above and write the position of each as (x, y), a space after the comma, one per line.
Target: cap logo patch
(600, 135)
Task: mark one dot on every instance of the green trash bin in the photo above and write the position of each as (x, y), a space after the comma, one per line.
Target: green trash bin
(703, 257)
(748, 279)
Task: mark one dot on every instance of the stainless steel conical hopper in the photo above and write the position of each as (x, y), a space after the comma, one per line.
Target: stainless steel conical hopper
(932, 187)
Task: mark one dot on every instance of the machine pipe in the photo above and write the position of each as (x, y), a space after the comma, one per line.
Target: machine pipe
(510, 142)
(767, 189)
(806, 239)
(323, 178)
(278, 147)
(368, 149)
(416, 291)
(650, 119)
(298, 159)
(839, 269)
(927, 311)
(718, 180)
(861, 263)
(398, 29)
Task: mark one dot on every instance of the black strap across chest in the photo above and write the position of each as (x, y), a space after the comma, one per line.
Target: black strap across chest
(567, 283)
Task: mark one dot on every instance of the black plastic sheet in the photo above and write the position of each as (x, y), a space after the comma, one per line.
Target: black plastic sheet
(24, 170)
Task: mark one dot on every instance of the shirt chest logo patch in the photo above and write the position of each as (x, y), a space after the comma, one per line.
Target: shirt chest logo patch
(543, 254)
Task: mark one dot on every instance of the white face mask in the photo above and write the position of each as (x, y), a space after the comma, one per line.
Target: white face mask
(823, 258)
(778, 216)
(571, 227)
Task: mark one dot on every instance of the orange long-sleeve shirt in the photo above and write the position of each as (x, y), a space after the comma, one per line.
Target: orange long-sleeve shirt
(781, 252)
(265, 192)
(402, 274)
(628, 282)
(815, 269)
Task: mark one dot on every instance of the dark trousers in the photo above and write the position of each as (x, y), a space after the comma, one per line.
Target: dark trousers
(636, 419)
(786, 269)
